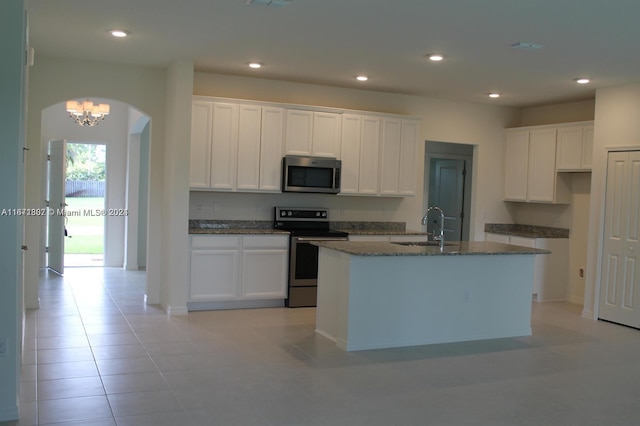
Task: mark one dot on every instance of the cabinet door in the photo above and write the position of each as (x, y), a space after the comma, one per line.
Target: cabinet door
(587, 148)
(249, 129)
(299, 130)
(369, 156)
(326, 134)
(569, 152)
(516, 165)
(214, 275)
(272, 139)
(542, 166)
(200, 166)
(224, 146)
(390, 156)
(350, 153)
(408, 158)
(264, 273)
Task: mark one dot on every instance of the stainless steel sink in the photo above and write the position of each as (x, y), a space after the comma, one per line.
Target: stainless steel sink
(425, 243)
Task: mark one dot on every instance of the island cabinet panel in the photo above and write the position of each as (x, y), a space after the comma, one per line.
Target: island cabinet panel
(551, 272)
(371, 302)
(237, 271)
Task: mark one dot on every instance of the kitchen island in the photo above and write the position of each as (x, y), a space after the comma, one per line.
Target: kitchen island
(379, 294)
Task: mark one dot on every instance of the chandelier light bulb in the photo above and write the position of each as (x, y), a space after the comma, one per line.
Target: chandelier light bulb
(87, 113)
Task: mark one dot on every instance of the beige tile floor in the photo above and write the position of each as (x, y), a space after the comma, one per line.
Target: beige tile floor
(97, 356)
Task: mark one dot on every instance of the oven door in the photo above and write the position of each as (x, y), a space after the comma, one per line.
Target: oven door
(303, 270)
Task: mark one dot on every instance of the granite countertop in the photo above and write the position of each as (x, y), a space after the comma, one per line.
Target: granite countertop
(463, 248)
(530, 231)
(233, 227)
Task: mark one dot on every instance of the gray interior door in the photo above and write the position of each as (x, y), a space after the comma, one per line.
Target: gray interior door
(447, 185)
(56, 170)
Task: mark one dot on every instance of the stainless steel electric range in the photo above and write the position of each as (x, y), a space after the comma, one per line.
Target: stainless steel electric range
(305, 224)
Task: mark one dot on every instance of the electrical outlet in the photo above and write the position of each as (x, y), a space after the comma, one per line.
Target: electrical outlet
(199, 207)
(4, 343)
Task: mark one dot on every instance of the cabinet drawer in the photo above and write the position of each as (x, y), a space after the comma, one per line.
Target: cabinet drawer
(209, 241)
(264, 241)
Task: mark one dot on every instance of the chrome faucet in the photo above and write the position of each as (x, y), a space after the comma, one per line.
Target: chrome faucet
(440, 236)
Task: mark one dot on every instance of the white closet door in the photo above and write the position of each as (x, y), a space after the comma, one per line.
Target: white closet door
(620, 279)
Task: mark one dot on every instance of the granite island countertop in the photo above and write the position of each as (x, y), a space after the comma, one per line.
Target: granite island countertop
(463, 248)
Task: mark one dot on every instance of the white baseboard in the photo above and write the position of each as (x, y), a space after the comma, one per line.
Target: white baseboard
(235, 304)
(177, 310)
(32, 303)
(588, 314)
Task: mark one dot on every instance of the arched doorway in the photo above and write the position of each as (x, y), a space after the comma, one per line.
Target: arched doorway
(125, 135)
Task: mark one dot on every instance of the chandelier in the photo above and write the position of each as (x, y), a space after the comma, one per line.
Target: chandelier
(87, 113)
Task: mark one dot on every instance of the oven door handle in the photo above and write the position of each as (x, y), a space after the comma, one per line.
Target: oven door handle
(305, 239)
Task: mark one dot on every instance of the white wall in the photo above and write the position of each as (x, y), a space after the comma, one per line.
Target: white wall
(12, 83)
(616, 127)
(442, 120)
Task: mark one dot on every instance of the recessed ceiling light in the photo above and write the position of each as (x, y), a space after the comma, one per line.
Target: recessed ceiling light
(362, 78)
(435, 57)
(494, 95)
(255, 65)
(119, 33)
(582, 80)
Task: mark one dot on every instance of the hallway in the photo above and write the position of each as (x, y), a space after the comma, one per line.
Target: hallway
(97, 356)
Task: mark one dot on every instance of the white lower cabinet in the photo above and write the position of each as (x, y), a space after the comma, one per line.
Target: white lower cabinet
(551, 272)
(237, 269)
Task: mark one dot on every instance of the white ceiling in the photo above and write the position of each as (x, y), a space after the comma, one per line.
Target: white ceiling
(329, 42)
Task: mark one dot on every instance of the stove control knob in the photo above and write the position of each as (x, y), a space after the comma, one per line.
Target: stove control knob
(289, 213)
(283, 213)
(324, 214)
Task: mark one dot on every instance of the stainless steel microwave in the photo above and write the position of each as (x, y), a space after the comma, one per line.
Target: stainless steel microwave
(310, 174)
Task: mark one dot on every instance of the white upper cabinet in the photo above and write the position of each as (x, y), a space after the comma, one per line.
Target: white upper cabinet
(350, 153)
(516, 166)
(299, 132)
(224, 146)
(408, 157)
(312, 133)
(249, 135)
(271, 145)
(575, 148)
(369, 156)
(326, 134)
(390, 156)
(530, 167)
(236, 147)
(201, 122)
(542, 166)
